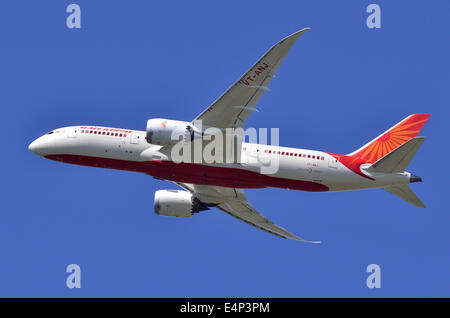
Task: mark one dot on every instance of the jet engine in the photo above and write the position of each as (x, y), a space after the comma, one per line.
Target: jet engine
(166, 132)
(177, 203)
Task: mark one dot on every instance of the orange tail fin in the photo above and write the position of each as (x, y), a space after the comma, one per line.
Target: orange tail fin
(391, 139)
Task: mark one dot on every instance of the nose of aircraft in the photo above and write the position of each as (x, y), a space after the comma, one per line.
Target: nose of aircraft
(32, 146)
(40, 146)
(35, 147)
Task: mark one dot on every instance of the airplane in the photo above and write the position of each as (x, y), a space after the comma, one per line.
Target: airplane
(381, 163)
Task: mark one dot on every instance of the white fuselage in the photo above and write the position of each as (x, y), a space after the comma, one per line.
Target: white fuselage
(298, 169)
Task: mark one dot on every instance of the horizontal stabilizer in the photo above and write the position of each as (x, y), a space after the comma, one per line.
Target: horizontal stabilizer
(398, 159)
(404, 192)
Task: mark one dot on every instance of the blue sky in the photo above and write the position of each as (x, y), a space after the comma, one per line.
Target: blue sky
(341, 85)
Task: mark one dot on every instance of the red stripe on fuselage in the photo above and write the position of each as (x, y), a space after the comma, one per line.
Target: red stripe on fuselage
(194, 173)
(352, 163)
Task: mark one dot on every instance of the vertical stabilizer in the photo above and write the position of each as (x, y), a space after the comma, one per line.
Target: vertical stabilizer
(391, 139)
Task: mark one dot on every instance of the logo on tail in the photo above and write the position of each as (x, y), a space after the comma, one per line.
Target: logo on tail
(391, 139)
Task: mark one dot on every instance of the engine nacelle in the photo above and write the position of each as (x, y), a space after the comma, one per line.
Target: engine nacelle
(166, 132)
(177, 203)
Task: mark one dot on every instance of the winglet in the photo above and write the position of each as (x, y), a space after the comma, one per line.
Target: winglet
(291, 236)
(312, 242)
(297, 34)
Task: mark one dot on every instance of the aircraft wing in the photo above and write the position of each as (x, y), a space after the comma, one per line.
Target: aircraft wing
(232, 109)
(233, 202)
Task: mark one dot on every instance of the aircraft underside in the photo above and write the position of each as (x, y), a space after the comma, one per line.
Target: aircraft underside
(194, 173)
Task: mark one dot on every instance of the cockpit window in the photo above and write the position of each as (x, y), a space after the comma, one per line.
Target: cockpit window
(50, 133)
